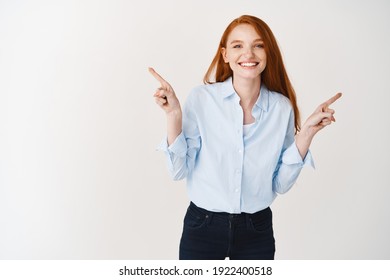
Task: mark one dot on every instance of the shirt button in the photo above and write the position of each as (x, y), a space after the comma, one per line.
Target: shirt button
(238, 171)
(240, 151)
(236, 190)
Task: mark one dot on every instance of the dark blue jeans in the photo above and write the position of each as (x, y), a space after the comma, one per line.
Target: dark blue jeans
(214, 236)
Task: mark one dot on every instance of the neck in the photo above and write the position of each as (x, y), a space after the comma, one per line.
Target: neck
(248, 90)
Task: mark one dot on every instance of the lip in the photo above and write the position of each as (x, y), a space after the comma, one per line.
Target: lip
(248, 64)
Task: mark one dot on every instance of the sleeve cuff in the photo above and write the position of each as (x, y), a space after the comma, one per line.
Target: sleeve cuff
(178, 147)
(292, 156)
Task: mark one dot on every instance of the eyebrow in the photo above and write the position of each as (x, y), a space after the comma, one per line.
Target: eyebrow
(239, 41)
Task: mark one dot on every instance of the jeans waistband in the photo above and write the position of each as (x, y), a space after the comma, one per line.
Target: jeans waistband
(229, 215)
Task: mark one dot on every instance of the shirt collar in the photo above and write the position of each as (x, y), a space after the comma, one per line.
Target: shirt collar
(262, 102)
(227, 88)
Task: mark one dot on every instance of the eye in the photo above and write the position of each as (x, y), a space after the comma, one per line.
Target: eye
(259, 46)
(237, 46)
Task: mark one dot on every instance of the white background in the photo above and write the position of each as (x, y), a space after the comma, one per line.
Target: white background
(79, 174)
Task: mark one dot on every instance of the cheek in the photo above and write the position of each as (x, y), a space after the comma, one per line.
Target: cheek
(263, 58)
(262, 55)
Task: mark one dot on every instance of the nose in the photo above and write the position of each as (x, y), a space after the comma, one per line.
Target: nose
(248, 52)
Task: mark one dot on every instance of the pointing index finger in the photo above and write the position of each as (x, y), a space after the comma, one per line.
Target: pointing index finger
(333, 99)
(158, 77)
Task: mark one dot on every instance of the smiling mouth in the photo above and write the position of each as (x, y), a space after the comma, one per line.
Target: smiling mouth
(248, 64)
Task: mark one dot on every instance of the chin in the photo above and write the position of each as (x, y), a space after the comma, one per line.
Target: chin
(249, 76)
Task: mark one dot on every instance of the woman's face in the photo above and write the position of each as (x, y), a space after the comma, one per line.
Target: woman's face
(245, 52)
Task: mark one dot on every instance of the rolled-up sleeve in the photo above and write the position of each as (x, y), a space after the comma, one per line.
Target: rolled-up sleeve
(290, 162)
(181, 154)
(292, 156)
(290, 167)
(175, 155)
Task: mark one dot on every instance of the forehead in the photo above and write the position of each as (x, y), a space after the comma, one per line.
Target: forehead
(243, 32)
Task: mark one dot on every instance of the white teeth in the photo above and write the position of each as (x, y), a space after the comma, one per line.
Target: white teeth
(248, 64)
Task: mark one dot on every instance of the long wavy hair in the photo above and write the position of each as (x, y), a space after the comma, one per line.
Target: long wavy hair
(274, 76)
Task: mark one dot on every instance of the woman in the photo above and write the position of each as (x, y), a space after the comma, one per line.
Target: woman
(238, 142)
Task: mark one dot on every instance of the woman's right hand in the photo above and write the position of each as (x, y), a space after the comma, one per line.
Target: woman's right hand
(165, 96)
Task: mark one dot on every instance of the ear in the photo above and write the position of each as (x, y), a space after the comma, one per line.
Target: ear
(223, 53)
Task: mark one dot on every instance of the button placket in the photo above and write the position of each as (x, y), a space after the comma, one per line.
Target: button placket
(239, 155)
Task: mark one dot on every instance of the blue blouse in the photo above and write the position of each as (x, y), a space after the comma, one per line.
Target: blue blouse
(228, 170)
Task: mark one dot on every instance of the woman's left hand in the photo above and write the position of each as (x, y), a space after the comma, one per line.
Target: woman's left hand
(321, 117)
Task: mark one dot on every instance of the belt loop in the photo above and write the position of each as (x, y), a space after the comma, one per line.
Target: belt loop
(209, 217)
(248, 220)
